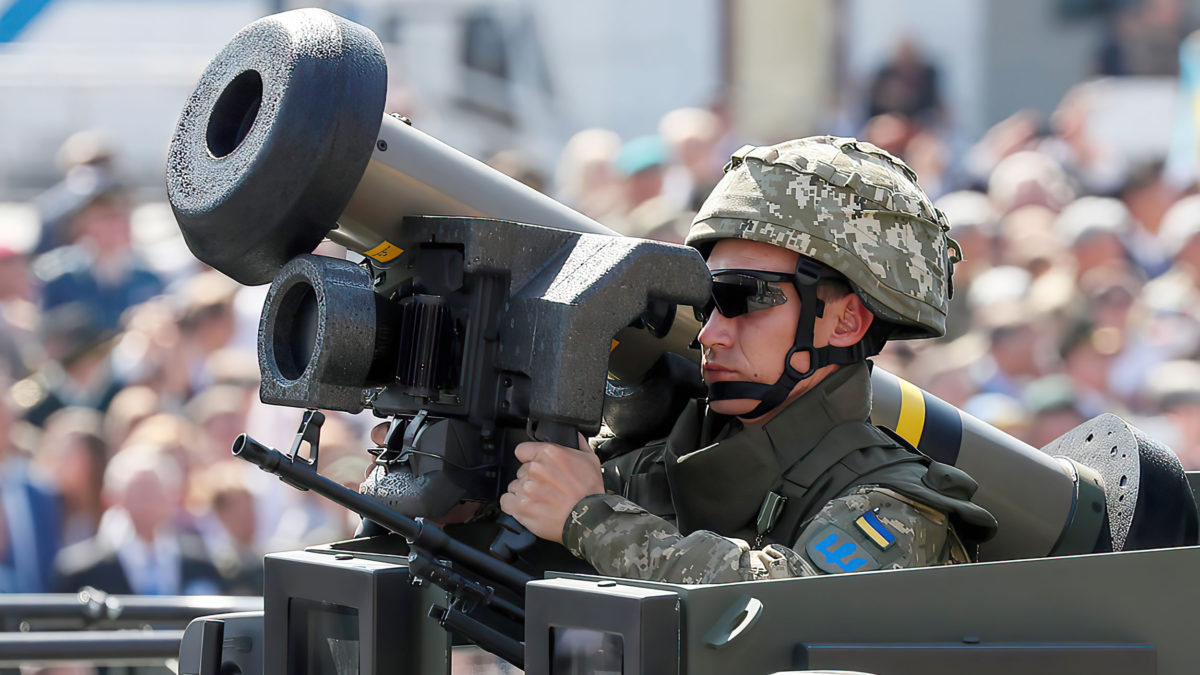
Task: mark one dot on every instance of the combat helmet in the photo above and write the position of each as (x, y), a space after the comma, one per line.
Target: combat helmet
(847, 206)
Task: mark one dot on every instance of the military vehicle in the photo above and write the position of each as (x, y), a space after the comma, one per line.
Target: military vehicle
(483, 314)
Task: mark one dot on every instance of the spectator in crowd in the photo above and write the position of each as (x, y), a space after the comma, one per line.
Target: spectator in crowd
(646, 212)
(1149, 195)
(177, 437)
(1180, 236)
(1162, 325)
(1096, 230)
(78, 368)
(224, 515)
(138, 548)
(100, 269)
(995, 292)
(1029, 178)
(220, 415)
(1088, 353)
(18, 315)
(235, 368)
(974, 225)
(890, 132)
(907, 85)
(29, 523)
(19, 350)
(1013, 134)
(1014, 356)
(586, 178)
(1173, 391)
(641, 163)
(1143, 38)
(88, 167)
(928, 154)
(691, 134)
(1029, 241)
(129, 408)
(947, 370)
(206, 323)
(1053, 406)
(1094, 165)
(149, 352)
(72, 456)
(729, 138)
(1109, 297)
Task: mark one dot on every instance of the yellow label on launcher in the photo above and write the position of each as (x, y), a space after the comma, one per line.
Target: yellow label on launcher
(385, 252)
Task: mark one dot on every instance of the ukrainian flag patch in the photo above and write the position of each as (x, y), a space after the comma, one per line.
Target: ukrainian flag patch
(870, 525)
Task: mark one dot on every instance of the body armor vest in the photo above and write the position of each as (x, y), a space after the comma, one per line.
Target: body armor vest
(711, 474)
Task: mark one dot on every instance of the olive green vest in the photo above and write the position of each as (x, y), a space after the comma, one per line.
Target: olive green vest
(816, 449)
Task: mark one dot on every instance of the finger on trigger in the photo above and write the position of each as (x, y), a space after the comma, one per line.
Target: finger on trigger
(526, 451)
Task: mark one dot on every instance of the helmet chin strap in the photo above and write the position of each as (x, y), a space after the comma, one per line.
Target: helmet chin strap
(770, 396)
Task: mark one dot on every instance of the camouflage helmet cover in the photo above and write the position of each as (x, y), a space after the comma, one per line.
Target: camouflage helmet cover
(849, 205)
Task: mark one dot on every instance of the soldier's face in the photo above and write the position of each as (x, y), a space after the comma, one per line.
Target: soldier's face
(752, 347)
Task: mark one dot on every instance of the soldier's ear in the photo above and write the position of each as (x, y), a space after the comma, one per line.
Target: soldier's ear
(852, 319)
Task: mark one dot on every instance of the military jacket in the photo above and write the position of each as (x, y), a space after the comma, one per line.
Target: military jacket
(816, 489)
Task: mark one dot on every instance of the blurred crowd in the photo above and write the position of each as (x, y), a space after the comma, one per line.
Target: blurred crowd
(128, 368)
(1079, 289)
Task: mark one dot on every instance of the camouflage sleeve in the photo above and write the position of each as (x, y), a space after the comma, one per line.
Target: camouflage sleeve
(621, 539)
(869, 528)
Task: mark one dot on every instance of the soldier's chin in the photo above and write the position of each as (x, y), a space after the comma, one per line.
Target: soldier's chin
(734, 407)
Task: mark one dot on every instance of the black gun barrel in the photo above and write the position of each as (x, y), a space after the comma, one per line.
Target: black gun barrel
(422, 534)
(482, 634)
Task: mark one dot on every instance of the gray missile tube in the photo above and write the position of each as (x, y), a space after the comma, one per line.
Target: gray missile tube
(1031, 493)
(411, 173)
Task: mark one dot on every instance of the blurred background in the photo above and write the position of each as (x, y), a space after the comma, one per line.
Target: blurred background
(1060, 136)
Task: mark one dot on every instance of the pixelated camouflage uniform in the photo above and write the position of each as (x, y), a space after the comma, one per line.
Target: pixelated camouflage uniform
(818, 487)
(691, 516)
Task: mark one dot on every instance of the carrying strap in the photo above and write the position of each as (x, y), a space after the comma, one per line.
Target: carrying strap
(639, 476)
(847, 454)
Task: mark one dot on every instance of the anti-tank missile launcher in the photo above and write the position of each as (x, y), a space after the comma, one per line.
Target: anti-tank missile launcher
(484, 313)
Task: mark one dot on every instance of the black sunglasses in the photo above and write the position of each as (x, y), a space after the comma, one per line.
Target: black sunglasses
(737, 292)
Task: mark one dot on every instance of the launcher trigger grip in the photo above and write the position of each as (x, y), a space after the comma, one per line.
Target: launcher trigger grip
(553, 432)
(512, 539)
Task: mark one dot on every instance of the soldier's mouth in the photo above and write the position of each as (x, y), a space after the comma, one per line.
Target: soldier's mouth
(715, 373)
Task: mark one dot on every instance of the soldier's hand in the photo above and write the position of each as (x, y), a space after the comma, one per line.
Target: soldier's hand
(551, 481)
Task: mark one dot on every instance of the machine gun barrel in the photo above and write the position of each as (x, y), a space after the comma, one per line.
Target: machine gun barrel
(422, 534)
(485, 636)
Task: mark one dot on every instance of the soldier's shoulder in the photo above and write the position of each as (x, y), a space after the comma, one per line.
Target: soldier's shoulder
(873, 527)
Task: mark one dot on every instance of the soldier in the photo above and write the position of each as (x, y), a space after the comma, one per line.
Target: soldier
(821, 249)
